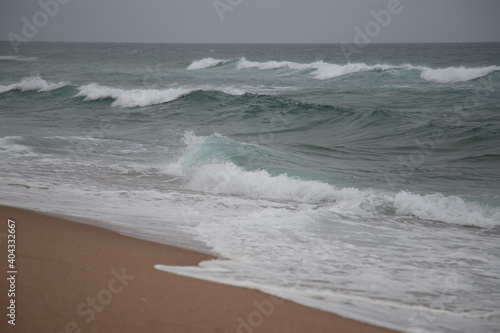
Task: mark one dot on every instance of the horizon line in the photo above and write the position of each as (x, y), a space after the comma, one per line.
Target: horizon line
(253, 43)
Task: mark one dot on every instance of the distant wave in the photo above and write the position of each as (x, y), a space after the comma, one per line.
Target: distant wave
(244, 63)
(32, 83)
(456, 74)
(17, 58)
(322, 70)
(328, 71)
(146, 97)
(132, 97)
(205, 63)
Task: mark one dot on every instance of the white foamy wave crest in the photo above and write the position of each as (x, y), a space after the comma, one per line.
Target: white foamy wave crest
(205, 63)
(452, 209)
(17, 58)
(146, 97)
(209, 171)
(227, 178)
(245, 64)
(321, 70)
(226, 90)
(456, 74)
(329, 71)
(131, 97)
(32, 83)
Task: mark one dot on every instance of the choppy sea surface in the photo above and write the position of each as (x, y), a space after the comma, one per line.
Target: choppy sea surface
(365, 182)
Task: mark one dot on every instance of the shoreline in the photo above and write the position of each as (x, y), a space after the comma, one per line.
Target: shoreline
(75, 277)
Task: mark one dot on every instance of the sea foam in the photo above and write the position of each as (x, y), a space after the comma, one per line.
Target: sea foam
(328, 71)
(211, 171)
(456, 74)
(32, 83)
(227, 178)
(205, 63)
(244, 64)
(322, 70)
(449, 209)
(131, 97)
(145, 97)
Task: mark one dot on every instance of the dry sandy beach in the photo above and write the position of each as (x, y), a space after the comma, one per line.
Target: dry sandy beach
(73, 277)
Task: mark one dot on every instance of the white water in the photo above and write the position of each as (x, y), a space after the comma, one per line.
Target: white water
(205, 63)
(322, 70)
(355, 252)
(456, 74)
(421, 260)
(32, 83)
(127, 98)
(131, 97)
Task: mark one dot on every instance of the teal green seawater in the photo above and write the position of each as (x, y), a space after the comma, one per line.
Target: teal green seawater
(364, 183)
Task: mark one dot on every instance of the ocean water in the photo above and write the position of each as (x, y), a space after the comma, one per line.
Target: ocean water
(363, 183)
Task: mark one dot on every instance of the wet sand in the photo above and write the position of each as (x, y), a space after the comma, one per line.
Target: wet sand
(74, 277)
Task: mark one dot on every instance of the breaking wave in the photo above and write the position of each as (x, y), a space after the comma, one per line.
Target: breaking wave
(145, 97)
(205, 63)
(131, 97)
(322, 70)
(456, 74)
(208, 166)
(32, 83)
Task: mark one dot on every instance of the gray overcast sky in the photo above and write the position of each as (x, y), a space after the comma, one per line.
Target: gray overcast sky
(250, 21)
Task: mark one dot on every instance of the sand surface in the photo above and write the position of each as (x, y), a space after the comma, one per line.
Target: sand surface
(73, 277)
